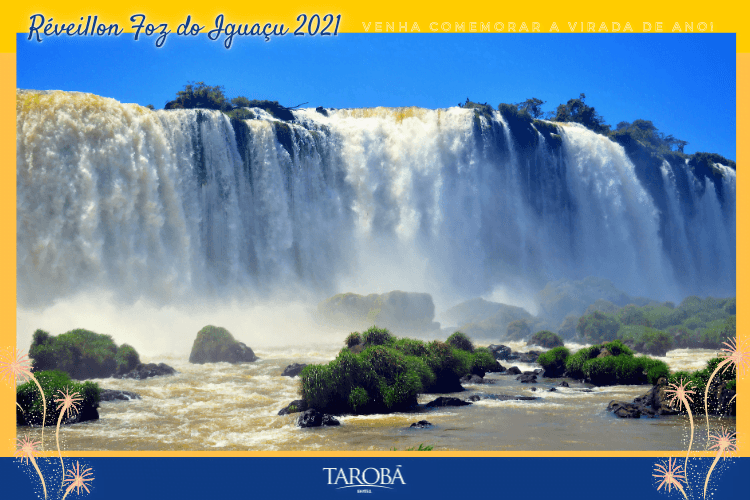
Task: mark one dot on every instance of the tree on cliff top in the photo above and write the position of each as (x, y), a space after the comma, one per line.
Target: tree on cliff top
(200, 95)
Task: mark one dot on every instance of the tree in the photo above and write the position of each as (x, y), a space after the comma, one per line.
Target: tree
(200, 95)
(576, 110)
(532, 106)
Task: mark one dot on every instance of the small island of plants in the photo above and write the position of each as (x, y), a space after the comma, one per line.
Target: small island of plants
(379, 373)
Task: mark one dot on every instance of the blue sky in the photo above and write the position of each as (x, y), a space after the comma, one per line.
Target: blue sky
(684, 83)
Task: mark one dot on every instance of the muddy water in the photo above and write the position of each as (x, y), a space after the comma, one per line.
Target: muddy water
(234, 407)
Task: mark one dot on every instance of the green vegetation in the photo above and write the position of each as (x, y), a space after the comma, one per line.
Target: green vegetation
(388, 374)
(126, 358)
(546, 338)
(80, 353)
(553, 361)
(461, 341)
(698, 379)
(27, 396)
(199, 95)
(420, 448)
(353, 339)
(658, 327)
(612, 363)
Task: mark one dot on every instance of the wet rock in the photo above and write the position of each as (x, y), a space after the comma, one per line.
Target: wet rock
(295, 406)
(321, 110)
(501, 352)
(422, 424)
(314, 418)
(534, 388)
(552, 389)
(115, 395)
(513, 370)
(624, 410)
(293, 370)
(497, 369)
(446, 401)
(472, 379)
(563, 384)
(499, 397)
(527, 378)
(215, 344)
(528, 357)
(148, 370)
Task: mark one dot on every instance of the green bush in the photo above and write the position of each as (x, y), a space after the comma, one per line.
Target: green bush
(388, 374)
(546, 338)
(126, 358)
(620, 367)
(377, 336)
(461, 341)
(353, 339)
(27, 396)
(553, 361)
(80, 353)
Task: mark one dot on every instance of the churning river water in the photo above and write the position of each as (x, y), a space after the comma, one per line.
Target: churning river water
(228, 407)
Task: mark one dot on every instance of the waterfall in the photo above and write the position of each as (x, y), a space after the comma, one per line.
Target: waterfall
(180, 205)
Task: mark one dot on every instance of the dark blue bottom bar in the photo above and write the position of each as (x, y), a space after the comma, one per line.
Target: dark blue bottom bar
(386, 478)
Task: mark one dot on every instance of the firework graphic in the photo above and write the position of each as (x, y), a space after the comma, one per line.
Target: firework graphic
(670, 474)
(736, 356)
(680, 397)
(77, 476)
(15, 365)
(724, 443)
(26, 450)
(66, 404)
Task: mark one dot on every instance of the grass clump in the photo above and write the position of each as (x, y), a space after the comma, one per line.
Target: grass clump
(613, 363)
(388, 373)
(461, 341)
(27, 396)
(553, 361)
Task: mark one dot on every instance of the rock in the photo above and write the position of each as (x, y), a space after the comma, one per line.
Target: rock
(298, 405)
(528, 357)
(501, 352)
(513, 370)
(215, 344)
(552, 389)
(604, 353)
(499, 397)
(727, 403)
(321, 110)
(534, 388)
(656, 400)
(293, 370)
(563, 384)
(624, 410)
(527, 378)
(472, 379)
(422, 424)
(497, 369)
(546, 338)
(446, 401)
(313, 418)
(396, 310)
(115, 395)
(148, 370)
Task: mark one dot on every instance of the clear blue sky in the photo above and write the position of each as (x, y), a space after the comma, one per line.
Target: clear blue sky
(684, 83)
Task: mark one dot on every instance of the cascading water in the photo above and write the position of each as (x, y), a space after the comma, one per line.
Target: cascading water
(174, 205)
